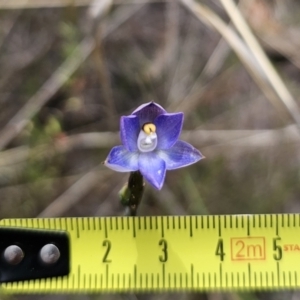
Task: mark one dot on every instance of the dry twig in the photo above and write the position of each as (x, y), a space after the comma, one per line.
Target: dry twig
(257, 51)
(30, 4)
(207, 16)
(75, 193)
(247, 139)
(61, 75)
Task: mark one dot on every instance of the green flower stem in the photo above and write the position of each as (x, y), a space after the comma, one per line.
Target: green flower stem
(132, 193)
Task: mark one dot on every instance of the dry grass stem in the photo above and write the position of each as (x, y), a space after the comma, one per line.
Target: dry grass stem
(166, 55)
(106, 203)
(75, 193)
(89, 140)
(172, 206)
(215, 61)
(257, 51)
(29, 4)
(60, 77)
(207, 16)
(249, 139)
(104, 79)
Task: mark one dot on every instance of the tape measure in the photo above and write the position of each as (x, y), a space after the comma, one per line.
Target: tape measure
(162, 253)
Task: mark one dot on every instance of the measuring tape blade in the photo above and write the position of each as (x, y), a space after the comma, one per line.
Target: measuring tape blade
(164, 253)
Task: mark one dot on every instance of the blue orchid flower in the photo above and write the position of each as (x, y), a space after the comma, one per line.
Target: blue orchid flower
(150, 144)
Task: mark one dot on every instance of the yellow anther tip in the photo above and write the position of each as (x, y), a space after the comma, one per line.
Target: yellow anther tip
(149, 128)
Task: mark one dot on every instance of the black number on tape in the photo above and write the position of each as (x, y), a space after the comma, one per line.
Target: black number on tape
(107, 244)
(164, 256)
(220, 249)
(277, 249)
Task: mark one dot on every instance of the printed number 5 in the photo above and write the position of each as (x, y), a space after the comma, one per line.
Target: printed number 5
(164, 256)
(277, 249)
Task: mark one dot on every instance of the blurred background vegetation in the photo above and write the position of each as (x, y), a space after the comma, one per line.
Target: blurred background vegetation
(70, 68)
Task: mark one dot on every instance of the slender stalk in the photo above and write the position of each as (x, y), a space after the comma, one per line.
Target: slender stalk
(132, 193)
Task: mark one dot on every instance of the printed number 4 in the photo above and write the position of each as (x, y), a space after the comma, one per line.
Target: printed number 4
(220, 249)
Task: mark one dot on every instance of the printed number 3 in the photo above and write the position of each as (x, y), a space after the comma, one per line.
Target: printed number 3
(164, 256)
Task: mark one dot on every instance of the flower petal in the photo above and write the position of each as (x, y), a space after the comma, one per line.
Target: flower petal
(129, 131)
(153, 168)
(121, 160)
(148, 112)
(180, 155)
(168, 129)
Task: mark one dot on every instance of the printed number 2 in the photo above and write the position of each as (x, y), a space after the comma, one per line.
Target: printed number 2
(163, 257)
(220, 249)
(107, 244)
